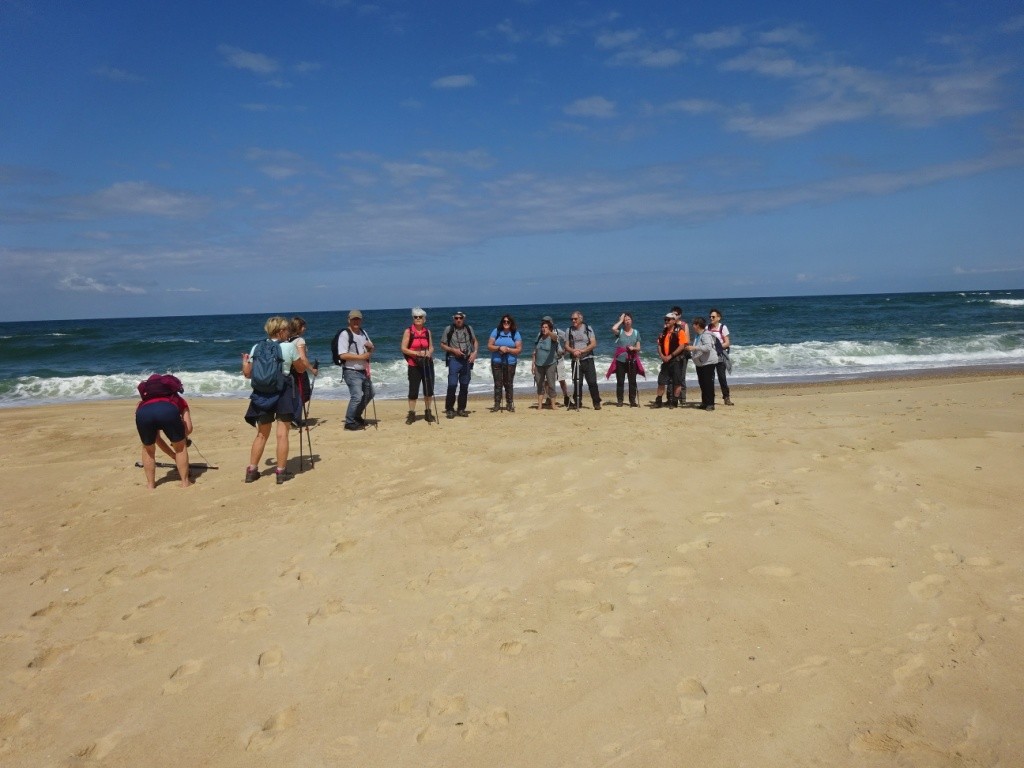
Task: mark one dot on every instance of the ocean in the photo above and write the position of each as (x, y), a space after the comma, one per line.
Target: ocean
(775, 340)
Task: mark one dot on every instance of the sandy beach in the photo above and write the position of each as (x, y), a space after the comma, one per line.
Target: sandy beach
(824, 575)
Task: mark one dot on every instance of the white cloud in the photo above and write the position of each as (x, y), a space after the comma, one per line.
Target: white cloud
(610, 40)
(592, 106)
(138, 197)
(257, 63)
(726, 37)
(454, 81)
(76, 282)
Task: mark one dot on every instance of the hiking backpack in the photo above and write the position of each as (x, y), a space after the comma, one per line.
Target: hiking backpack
(160, 385)
(267, 375)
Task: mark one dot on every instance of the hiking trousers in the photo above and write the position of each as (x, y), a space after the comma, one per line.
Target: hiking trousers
(459, 374)
(360, 393)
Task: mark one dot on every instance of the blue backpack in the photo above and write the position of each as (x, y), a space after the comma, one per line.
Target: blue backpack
(267, 376)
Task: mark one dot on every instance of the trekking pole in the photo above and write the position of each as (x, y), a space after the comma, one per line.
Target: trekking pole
(189, 443)
(305, 418)
(373, 402)
(428, 374)
(577, 383)
(504, 379)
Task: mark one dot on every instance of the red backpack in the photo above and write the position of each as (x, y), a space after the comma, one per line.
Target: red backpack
(160, 385)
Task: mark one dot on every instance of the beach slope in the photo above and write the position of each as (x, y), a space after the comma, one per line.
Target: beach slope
(823, 575)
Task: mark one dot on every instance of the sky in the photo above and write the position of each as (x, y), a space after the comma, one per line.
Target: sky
(188, 158)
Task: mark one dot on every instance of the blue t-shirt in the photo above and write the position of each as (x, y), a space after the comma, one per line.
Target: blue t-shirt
(505, 339)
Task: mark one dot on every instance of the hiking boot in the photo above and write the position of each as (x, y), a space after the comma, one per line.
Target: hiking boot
(618, 403)
(597, 406)
(411, 418)
(462, 412)
(657, 402)
(565, 403)
(429, 417)
(449, 414)
(729, 402)
(673, 403)
(282, 475)
(355, 427)
(252, 475)
(511, 407)
(634, 404)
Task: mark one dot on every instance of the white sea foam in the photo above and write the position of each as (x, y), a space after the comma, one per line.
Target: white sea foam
(751, 364)
(1009, 302)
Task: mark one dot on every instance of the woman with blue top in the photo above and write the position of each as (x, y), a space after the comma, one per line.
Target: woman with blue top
(627, 349)
(505, 344)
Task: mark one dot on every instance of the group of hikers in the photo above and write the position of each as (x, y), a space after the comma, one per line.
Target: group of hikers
(282, 375)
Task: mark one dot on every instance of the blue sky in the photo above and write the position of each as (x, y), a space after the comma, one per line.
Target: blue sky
(165, 158)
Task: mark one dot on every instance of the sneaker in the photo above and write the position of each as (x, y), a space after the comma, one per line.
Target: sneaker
(282, 475)
(429, 417)
(356, 427)
(618, 403)
(464, 413)
(511, 408)
(634, 404)
(729, 402)
(571, 406)
(597, 406)
(449, 414)
(251, 475)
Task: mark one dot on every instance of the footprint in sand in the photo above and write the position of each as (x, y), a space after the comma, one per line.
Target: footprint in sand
(943, 553)
(810, 666)
(692, 699)
(912, 675)
(270, 659)
(511, 648)
(581, 586)
(766, 503)
(922, 633)
(874, 563)
(593, 611)
(694, 546)
(623, 566)
(154, 603)
(271, 731)
(910, 524)
(252, 615)
(144, 642)
(48, 657)
(99, 749)
(929, 587)
(342, 546)
(773, 571)
(714, 518)
(178, 680)
(326, 611)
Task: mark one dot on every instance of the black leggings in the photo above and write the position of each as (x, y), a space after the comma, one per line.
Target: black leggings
(504, 374)
(622, 370)
(723, 384)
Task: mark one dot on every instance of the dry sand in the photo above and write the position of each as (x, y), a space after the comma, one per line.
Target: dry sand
(820, 576)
